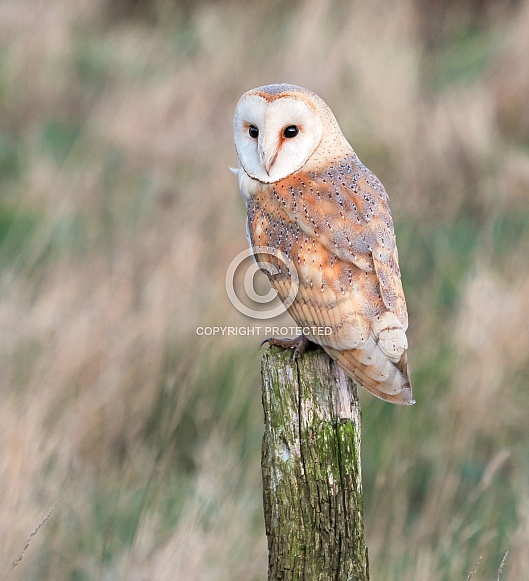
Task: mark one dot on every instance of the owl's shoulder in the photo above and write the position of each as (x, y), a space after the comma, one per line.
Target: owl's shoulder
(345, 189)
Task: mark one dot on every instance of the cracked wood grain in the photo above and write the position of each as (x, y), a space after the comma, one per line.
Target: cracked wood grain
(312, 484)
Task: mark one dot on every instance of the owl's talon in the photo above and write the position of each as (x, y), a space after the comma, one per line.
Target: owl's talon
(299, 344)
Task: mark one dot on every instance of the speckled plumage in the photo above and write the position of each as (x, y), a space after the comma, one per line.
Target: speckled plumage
(329, 216)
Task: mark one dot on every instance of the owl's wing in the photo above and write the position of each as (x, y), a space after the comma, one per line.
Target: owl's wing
(396, 388)
(346, 209)
(337, 228)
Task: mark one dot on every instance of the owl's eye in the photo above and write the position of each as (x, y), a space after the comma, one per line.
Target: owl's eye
(291, 131)
(253, 131)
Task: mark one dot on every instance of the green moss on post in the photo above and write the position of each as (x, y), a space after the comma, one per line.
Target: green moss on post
(312, 485)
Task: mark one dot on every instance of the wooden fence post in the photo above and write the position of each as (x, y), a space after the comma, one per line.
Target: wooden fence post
(312, 485)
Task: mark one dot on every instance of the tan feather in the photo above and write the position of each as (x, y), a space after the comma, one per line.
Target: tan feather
(401, 387)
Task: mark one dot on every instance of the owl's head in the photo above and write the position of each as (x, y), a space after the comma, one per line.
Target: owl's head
(278, 128)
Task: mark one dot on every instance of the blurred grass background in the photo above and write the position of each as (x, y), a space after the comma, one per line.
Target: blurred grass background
(119, 218)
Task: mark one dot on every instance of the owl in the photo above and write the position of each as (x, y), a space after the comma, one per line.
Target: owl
(311, 201)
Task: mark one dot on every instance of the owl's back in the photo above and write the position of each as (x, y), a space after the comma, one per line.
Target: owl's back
(336, 228)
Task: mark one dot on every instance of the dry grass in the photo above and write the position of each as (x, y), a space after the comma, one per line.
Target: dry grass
(119, 217)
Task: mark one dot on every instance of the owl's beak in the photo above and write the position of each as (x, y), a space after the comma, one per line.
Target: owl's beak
(268, 161)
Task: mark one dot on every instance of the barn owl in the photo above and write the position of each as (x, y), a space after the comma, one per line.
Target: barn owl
(311, 200)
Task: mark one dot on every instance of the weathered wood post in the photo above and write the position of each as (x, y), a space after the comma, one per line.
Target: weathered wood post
(312, 485)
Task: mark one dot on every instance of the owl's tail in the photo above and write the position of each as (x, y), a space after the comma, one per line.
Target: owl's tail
(395, 387)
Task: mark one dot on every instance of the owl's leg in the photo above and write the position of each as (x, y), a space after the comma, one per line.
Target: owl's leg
(299, 344)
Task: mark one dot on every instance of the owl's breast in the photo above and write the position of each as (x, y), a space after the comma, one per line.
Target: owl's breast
(249, 187)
